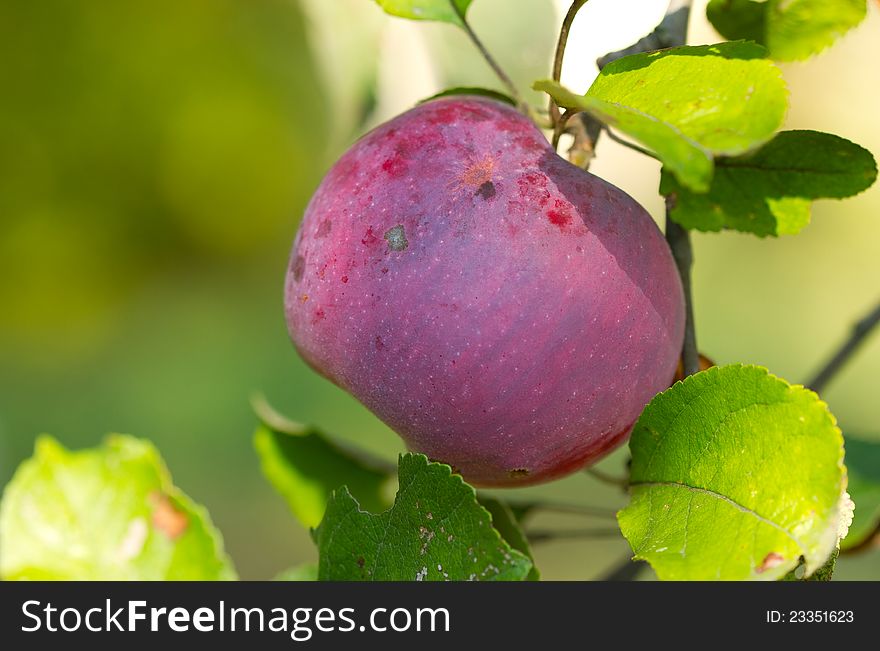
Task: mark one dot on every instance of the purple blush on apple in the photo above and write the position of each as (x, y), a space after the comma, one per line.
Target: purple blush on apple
(502, 310)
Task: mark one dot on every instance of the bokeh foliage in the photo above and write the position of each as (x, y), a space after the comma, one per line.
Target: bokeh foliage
(140, 136)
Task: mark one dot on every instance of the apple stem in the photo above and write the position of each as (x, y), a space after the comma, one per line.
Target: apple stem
(496, 68)
(858, 334)
(561, 44)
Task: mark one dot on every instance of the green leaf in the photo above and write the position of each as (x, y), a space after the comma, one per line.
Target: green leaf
(444, 11)
(304, 572)
(107, 513)
(770, 191)
(738, 19)
(687, 104)
(436, 530)
(735, 475)
(689, 161)
(472, 90)
(791, 29)
(506, 523)
(863, 464)
(825, 572)
(305, 466)
(797, 29)
(725, 97)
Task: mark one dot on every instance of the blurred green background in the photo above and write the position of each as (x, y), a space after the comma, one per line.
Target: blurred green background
(156, 156)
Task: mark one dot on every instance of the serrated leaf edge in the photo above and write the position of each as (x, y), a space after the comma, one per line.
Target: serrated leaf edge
(345, 494)
(834, 524)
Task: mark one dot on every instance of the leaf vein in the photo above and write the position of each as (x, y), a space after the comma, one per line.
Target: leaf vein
(724, 498)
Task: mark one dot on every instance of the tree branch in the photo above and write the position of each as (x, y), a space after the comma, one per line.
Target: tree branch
(857, 336)
(672, 32)
(497, 69)
(679, 240)
(628, 144)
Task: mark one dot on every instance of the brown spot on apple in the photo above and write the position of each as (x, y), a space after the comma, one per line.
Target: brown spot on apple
(478, 172)
(486, 191)
(299, 268)
(324, 229)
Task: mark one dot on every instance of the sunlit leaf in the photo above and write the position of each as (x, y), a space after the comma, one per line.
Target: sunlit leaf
(791, 29)
(445, 11)
(691, 162)
(687, 104)
(736, 474)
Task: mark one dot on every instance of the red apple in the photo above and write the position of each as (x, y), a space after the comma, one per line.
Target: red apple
(502, 310)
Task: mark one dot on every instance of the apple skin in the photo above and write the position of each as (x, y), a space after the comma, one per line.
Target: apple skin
(502, 310)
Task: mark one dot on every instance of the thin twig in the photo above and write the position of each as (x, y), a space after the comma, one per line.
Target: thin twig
(605, 478)
(497, 69)
(857, 336)
(562, 507)
(626, 570)
(561, 44)
(559, 127)
(631, 145)
(546, 535)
